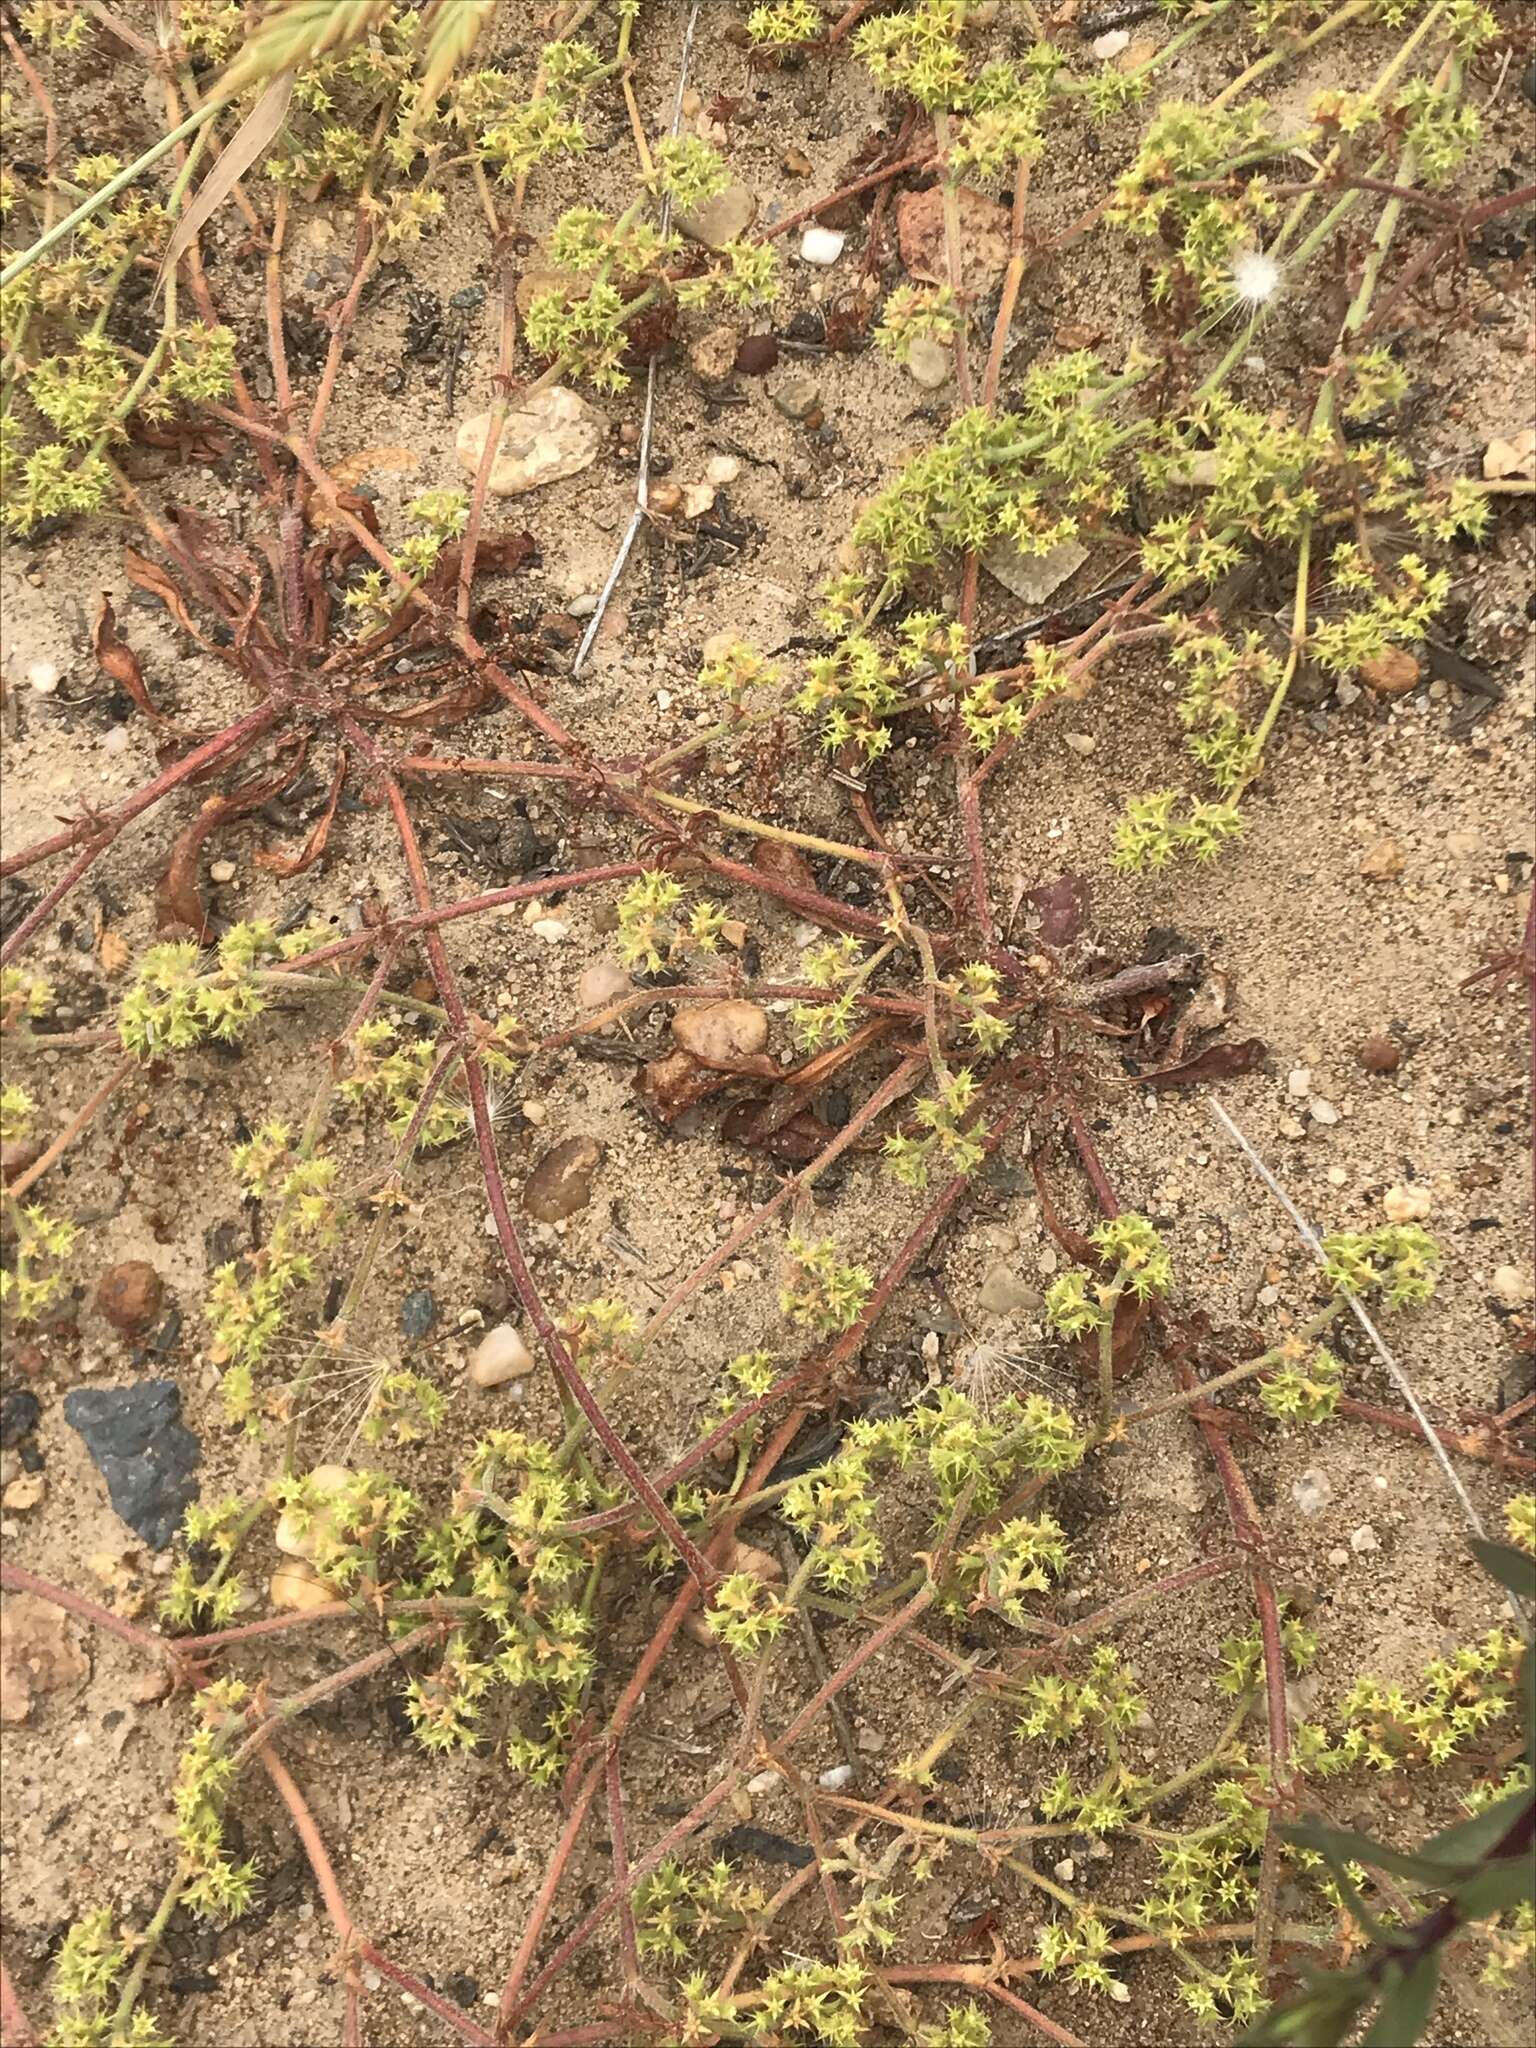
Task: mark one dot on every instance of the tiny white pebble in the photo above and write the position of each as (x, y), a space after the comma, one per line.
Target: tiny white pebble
(221, 871)
(1066, 1870)
(664, 700)
(551, 930)
(44, 677)
(1110, 44)
(1337, 1177)
(1299, 1081)
(1406, 1203)
(930, 1346)
(1080, 742)
(836, 1778)
(764, 1782)
(115, 740)
(722, 469)
(534, 1110)
(822, 245)
(1323, 1111)
(1364, 1538)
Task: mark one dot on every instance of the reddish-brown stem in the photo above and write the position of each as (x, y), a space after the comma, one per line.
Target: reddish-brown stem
(16, 2030)
(1035, 2016)
(314, 1848)
(453, 2015)
(16, 1579)
(469, 546)
(277, 348)
(618, 1836)
(512, 1991)
(513, 2009)
(1454, 1440)
(100, 831)
(528, 1294)
(49, 902)
(890, 1090)
(923, 160)
(798, 1382)
(361, 268)
(71, 1131)
(339, 1681)
(434, 1606)
(467, 906)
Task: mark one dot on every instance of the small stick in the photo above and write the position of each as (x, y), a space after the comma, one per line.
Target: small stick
(1313, 1243)
(61, 1144)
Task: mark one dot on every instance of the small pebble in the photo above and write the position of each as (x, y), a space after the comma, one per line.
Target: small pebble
(1311, 1491)
(299, 1588)
(756, 356)
(500, 1355)
(1379, 1054)
(722, 469)
(1363, 1539)
(221, 871)
(1110, 44)
(553, 931)
(1323, 1111)
(418, 1312)
(836, 1778)
(795, 395)
(1406, 1203)
(1299, 1081)
(929, 363)
(604, 982)
(534, 1111)
(1066, 1869)
(1337, 1177)
(1080, 742)
(1511, 1285)
(719, 1032)
(822, 246)
(764, 1783)
(115, 740)
(561, 1183)
(44, 677)
(129, 1296)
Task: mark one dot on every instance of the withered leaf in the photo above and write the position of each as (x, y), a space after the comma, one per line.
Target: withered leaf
(1063, 907)
(117, 660)
(1219, 1062)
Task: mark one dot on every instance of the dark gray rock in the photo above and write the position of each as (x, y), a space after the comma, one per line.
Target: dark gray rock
(141, 1447)
(418, 1312)
(19, 1416)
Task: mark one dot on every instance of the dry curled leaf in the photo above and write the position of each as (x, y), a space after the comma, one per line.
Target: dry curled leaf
(117, 660)
(984, 236)
(1216, 1063)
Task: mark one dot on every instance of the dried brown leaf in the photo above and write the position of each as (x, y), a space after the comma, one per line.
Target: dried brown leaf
(117, 660)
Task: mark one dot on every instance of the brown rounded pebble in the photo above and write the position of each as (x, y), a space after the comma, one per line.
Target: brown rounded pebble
(758, 354)
(1379, 1054)
(665, 500)
(1390, 674)
(718, 1032)
(129, 1296)
(561, 1183)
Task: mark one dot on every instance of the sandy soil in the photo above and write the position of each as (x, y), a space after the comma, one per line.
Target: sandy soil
(440, 1860)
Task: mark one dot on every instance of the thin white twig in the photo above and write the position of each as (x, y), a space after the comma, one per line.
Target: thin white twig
(642, 488)
(1311, 1239)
